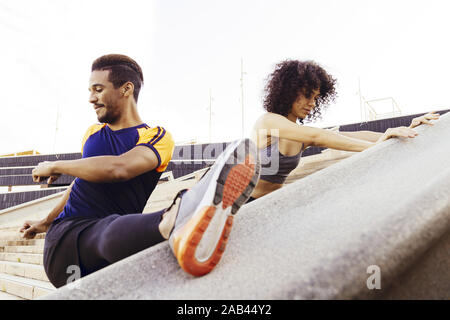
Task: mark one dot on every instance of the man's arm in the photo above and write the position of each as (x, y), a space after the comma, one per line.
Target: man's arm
(31, 228)
(99, 169)
(60, 206)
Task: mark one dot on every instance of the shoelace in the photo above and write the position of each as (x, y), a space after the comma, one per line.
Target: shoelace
(179, 195)
(204, 174)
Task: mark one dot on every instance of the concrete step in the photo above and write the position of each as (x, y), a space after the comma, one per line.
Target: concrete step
(32, 210)
(23, 242)
(14, 234)
(33, 258)
(4, 230)
(24, 249)
(23, 287)
(164, 193)
(7, 296)
(26, 270)
(18, 236)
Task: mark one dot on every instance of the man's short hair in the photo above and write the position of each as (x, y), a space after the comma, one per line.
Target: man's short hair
(122, 69)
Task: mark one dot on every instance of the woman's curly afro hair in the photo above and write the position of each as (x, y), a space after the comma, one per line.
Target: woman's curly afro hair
(293, 77)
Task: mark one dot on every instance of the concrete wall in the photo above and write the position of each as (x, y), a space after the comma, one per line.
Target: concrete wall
(388, 207)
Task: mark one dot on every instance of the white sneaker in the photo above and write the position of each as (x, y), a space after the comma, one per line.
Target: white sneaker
(205, 214)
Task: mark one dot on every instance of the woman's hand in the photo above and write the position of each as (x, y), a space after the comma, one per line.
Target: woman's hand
(43, 171)
(424, 119)
(402, 132)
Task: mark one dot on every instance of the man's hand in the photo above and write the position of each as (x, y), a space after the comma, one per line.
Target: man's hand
(44, 170)
(424, 119)
(31, 228)
(403, 132)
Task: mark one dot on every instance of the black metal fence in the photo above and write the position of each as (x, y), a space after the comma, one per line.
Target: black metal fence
(12, 199)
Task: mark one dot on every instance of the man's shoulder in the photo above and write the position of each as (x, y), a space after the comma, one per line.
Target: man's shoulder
(155, 129)
(89, 132)
(153, 135)
(94, 128)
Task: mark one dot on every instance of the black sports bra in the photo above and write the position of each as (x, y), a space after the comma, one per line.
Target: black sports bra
(275, 167)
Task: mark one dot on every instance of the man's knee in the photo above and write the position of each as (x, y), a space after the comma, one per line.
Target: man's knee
(108, 245)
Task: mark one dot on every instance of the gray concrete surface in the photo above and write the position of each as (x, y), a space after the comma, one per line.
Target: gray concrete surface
(429, 278)
(388, 206)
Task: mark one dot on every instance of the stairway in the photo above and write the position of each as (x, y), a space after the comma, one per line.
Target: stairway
(22, 274)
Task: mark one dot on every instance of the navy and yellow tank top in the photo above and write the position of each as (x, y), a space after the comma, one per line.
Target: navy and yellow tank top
(89, 199)
(275, 167)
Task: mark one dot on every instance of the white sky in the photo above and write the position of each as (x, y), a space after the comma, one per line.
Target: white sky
(185, 48)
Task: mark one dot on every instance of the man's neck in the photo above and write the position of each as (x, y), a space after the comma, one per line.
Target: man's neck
(122, 125)
(127, 120)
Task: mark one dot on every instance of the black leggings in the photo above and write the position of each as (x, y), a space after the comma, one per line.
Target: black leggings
(116, 237)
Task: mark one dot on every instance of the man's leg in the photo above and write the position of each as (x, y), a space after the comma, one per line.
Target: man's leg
(116, 237)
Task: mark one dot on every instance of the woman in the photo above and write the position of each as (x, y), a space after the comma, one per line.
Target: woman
(298, 91)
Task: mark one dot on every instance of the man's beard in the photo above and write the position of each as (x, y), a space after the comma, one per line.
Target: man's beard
(107, 117)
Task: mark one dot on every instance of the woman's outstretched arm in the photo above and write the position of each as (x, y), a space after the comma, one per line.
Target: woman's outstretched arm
(277, 125)
(373, 136)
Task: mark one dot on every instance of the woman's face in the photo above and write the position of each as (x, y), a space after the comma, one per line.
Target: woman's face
(303, 105)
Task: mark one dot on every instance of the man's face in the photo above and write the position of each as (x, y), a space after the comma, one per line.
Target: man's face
(106, 100)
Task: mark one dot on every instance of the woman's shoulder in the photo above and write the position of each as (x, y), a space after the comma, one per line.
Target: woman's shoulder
(269, 120)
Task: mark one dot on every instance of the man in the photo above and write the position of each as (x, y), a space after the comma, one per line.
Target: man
(98, 220)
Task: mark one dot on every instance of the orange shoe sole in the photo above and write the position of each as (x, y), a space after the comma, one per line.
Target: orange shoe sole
(187, 238)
